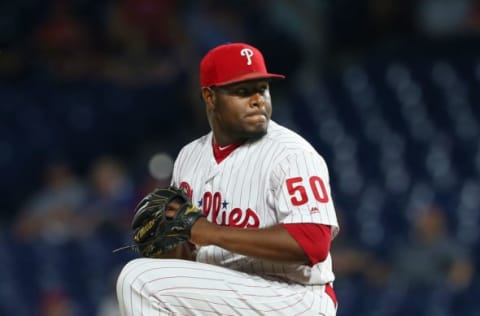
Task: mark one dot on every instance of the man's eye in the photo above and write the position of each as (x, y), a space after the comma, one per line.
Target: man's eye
(241, 92)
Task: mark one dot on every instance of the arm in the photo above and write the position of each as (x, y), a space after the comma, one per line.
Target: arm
(294, 240)
(272, 243)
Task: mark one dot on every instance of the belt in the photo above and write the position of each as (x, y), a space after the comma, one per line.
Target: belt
(330, 292)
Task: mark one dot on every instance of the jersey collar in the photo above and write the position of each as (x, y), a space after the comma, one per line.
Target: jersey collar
(222, 152)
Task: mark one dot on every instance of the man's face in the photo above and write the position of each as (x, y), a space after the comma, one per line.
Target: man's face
(242, 110)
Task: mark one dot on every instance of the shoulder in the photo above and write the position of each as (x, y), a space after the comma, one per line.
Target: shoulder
(287, 140)
(201, 141)
(291, 148)
(194, 145)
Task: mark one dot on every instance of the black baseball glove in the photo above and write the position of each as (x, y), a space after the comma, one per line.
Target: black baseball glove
(162, 221)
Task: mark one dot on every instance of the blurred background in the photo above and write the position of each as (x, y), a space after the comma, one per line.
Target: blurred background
(97, 97)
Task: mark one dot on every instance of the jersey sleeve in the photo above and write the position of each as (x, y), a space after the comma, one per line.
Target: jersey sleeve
(303, 193)
(313, 238)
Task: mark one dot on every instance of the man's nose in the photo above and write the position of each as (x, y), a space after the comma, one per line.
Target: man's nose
(257, 99)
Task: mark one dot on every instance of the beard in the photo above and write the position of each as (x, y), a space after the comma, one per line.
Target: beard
(249, 132)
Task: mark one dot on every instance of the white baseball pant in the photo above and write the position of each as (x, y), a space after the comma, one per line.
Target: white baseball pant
(147, 287)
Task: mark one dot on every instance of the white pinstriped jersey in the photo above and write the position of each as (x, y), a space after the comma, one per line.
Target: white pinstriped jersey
(279, 178)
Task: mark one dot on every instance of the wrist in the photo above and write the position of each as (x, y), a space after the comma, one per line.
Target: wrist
(201, 232)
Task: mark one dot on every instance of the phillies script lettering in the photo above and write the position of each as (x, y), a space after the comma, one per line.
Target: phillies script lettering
(214, 208)
(212, 204)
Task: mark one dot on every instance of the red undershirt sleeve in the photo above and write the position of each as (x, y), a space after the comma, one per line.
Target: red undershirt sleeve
(313, 238)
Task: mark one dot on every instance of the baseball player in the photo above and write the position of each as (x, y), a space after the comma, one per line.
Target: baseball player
(263, 244)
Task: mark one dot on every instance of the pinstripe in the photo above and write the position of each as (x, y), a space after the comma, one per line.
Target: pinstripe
(253, 177)
(252, 173)
(181, 284)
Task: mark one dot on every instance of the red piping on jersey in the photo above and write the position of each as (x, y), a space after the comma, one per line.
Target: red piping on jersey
(330, 292)
(313, 238)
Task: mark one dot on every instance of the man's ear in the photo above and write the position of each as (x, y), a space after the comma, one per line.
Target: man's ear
(208, 97)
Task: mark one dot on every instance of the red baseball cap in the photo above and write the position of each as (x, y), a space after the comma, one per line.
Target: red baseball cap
(233, 62)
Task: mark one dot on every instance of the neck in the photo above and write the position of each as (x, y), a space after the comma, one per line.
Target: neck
(228, 142)
(223, 140)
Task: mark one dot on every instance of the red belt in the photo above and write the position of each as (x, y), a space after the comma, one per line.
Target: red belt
(330, 292)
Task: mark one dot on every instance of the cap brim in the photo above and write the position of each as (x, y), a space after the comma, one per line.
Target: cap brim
(251, 76)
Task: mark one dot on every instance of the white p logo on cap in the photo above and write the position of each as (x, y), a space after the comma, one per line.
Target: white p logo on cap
(231, 63)
(247, 52)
